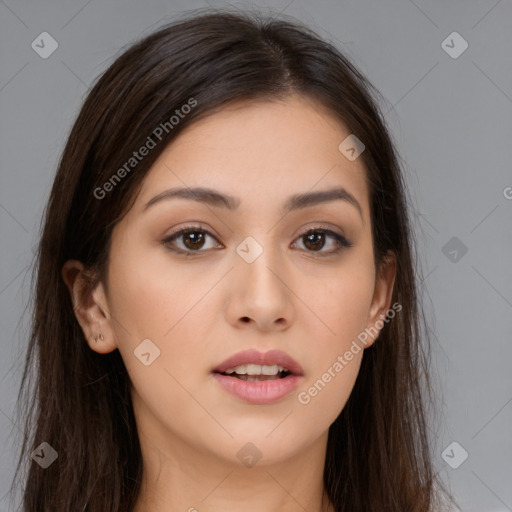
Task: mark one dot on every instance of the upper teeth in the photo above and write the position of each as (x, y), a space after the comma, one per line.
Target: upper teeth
(256, 369)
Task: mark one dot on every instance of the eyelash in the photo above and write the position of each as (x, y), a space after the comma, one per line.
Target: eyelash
(342, 242)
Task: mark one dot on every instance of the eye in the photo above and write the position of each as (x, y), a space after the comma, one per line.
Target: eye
(193, 239)
(315, 239)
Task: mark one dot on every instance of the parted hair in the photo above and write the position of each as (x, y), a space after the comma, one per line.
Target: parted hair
(378, 453)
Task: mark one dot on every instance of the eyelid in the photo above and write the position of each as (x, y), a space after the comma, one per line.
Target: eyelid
(197, 226)
(327, 228)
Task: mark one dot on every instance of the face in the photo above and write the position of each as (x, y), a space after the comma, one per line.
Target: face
(249, 274)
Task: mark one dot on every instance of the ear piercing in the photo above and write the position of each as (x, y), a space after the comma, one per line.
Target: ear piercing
(100, 336)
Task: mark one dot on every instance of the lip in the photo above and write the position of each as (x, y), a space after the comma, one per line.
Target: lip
(262, 392)
(263, 358)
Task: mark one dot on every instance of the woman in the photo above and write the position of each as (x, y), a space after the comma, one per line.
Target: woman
(225, 309)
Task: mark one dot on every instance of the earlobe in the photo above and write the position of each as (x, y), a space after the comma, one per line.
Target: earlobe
(382, 296)
(89, 306)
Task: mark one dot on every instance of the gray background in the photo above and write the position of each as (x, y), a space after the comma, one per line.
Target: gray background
(452, 121)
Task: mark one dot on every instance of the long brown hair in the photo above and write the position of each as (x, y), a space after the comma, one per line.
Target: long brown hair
(378, 454)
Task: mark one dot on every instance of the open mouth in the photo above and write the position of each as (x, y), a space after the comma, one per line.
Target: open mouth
(269, 379)
(257, 378)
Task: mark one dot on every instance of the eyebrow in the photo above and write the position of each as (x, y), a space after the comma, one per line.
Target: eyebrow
(218, 199)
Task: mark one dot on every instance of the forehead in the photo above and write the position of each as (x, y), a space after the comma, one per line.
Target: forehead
(260, 151)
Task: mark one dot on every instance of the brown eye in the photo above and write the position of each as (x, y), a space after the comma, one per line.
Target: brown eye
(192, 239)
(315, 240)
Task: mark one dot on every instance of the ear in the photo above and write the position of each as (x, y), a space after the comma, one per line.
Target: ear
(382, 296)
(89, 307)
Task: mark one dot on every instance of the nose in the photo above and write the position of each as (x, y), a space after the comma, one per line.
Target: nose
(260, 293)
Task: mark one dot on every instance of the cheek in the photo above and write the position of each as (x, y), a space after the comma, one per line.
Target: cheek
(148, 296)
(140, 301)
(341, 310)
(341, 307)
(153, 300)
(170, 310)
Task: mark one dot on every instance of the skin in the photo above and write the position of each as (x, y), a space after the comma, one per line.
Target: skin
(193, 309)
